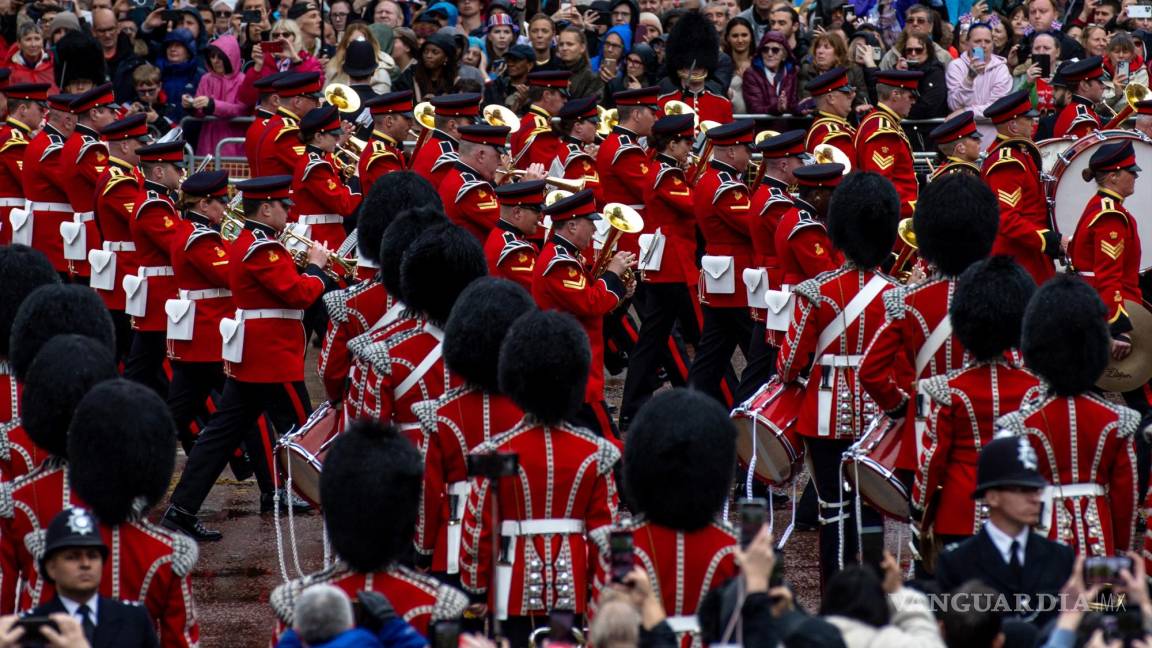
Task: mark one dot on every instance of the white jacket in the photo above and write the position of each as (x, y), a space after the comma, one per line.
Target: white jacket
(912, 625)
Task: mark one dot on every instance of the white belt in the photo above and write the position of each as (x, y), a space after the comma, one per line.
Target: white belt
(636, 206)
(269, 313)
(541, 527)
(51, 207)
(319, 219)
(85, 217)
(1086, 274)
(681, 624)
(156, 271)
(1075, 490)
(829, 360)
(207, 293)
(459, 488)
(12, 202)
(120, 246)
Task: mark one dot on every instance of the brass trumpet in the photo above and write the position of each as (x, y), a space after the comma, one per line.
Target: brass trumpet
(569, 185)
(623, 220)
(497, 115)
(1134, 93)
(343, 97)
(298, 247)
(609, 118)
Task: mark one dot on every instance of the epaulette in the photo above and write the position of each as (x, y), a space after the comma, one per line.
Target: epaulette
(200, 231)
(806, 220)
(1012, 425)
(151, 198)
(55, 144)
(289, 125)
(808, 289)
(600, 537)
(1083, 117)
(894, 305)
(380, 150)
(450, 602)
(937, 388)
(1127, 420)
(16, 138)
(668, 168)
(539, 125)
(954, 167)
(606, 454)
(34, 542)
(89, 142)
(7, 508)
(512, 243)
(115, 177)
(426, 412)
(626, 145)
(775, 196)
(336, 303)
(727, 183)
(1005, 155)
(471, 181)
(315, 160)
(261, 243)
(185, 553)
(1108, 206)
(449, 158)
(563, 256)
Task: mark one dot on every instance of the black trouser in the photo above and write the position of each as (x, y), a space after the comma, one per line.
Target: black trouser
(620, 334)
(595, 417)
(761, 365)
(145, 362)
(823, 457)
(724, 330)
(664, 305)
(122, 324)
(192, 386)
(285, 404)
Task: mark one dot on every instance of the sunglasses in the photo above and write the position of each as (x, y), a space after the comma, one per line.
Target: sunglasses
(223, 14)
(774, 50)
(913, 50)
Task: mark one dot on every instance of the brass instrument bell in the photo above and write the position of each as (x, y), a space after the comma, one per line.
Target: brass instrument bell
(497, 115)
(609, 119)
(342, 97)
(623, 220)
(675, 107)
(425, 114)
(828, 154)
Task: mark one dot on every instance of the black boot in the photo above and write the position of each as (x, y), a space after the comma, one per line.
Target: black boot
(287, 499)
(188, 524)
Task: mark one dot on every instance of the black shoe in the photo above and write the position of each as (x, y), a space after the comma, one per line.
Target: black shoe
(241, 466)
(189, 525)
(287, 499)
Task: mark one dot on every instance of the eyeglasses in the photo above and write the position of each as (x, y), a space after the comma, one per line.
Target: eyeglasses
(918, 20)
(774, 50)
(223, 14)
(283, 34)
(913, 50)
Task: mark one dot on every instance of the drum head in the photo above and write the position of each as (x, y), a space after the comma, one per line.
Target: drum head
(1133, 371)
(769, 417)
(305, 473)
(1050, 150)
(881, 489)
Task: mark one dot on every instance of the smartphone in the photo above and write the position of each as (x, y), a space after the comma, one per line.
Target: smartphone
(1122, 68)
(776, 579)
(849, 13)
(251, 17)
(32, 625)
(877, 54)
(872, 550)
(604, 18)
(446, 634)
(609, 65)
(818, 22)
(621, 554)
(560, 624)
(272, 46)
(494, 465)
(1045, 63)
(1140, 11)
(170, 16)
(1105, 570)
(978, 53)
(753, 513)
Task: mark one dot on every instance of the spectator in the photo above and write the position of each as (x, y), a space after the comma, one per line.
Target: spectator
(1027, 74)
(179, 70)
(785, 20)
(474, 57)
(625, 13)
(541, 31)
(1122, 52)
(1002, 37)
(828, 51)
(717, 14)
(613, 46)
(208, 19)
(323, 617)
(770, 83)
(28, 60)
(338, 13)
(1042, 18)
(306, 13)
(388, 12)
(150, 98)
(381, 77)
(737, 44)
(869, 612)
(501, 34)
(119, 55)
(435, 70)
(974, 82)
(933, 99)
(759, 15)
(864, 51)
(639, 72)
(1094, 40)
(62, 23)
(630, 614)
(973, 626)
(290, 57)
(222, 12)
(216, 96)
(572, 52)
(404, 48)
(511, 87)
(471, 16)
(919, 21)
(251, 33)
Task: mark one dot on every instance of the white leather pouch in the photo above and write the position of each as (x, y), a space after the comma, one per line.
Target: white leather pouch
(232, 332)
(779, 305)
(103, 263)
(181, 318)
(756, 283)
(651, 251)
(719, 274)
(75, 237)
(136, 293)
(21, 220)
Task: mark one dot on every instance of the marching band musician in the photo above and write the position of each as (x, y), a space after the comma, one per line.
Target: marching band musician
(391, 121)
(263, 351)
(959, 142)
(986, 312)
(509, 250)
(562, 282)
(146, 292)
(321, 201)
(881, 144)
(44, 186)
(279, 147)
(536, 141)
(438, 153)
(1143, 122)
(267, 107)
(622, 162)
(466, 188)
(1012, 169)
(692, 54)
(468, 415)
(563, 493)
(1083, 442)
(1084, 80)
(578, 124)
(833, 95)
(835, 317)
(26, 105)
(803, 248)
(84, 158)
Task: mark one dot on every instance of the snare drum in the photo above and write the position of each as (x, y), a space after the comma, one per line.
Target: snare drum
(872, 459)
(770, 416)
(300, 455)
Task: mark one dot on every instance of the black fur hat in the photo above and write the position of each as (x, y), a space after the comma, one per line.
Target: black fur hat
(54, 310)
(79, 57)
(862, 217)
(679, 457)
(955, 222)
(406, 228)
(376, 464)
(1065, 339)
(391, 194)
(60, 376)
(544, 365)
(477, 326)
(989, 305)
(122, 445)
(23, 270)
(693, 42)
(437, 267)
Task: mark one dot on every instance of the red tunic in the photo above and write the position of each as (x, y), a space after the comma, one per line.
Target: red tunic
(320, 199)
(882, 147)
(44, 187)
(723, 207)
(578, 165)
(350, 312)
(1106, 251)
(13, 141)
(535, 141)
(770, 202)
(84, 159)
(200, 259)
(18, 455)
(708, 105)
(1076, 119)
(252, 138)
(118, 191)
(1012, 170)
(154, 230)
(803, 248)
(832, 130)
(280, 145)
(469, 200)
(623, 168)
(359, 400)
(383, 158)
(670, 209)
(510, 255)
(436, 157)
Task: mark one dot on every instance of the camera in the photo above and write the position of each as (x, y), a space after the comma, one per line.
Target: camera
(753, 513)
(620, 547)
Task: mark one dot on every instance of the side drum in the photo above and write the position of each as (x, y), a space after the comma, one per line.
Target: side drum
(767, 421)
(300, 455)
(870, 466)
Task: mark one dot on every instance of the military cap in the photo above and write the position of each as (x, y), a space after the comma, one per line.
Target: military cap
(320, 120)
(131, 127)
(1115, 156)
(579, 108)
(393, 103)
(786, 144)
(907, 79)
(529, 193)
(1082, 70)
(60, 101)
(819, 175)
(266, 85)
(675, 126)
(830, 81)
(741, 131)
(27, 91)
(298, 84)
(581, 204)
(956, 128)
(555, 79)
(172, 151)
(463, 104)
(99, 96)
(648, 96)
(277, 187)
(213, 184)
(484, 134)
(1011, 106)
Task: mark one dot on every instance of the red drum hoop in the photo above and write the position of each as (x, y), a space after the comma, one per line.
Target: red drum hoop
(300, 455)
(770, 416)
(872, 460)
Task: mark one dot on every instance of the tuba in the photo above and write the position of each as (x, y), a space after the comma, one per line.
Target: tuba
(1134, 93)
(425, 115)
(623, 220)
(342, 97)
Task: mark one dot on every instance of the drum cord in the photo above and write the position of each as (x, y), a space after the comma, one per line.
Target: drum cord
(283, 564)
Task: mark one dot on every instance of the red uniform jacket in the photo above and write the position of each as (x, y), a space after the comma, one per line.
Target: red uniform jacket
(384, 157)
(803, 248)
(358, 401)
(320, 199)
(44, 187)
(200, 259)
(954, 165)
(882, 147)
(84, 159)
(623, 169)
(723, 206)
(1106, 251)
(670, 209)
(770, 202)
(1076, 119)
(280, 145)
(118, 191)
(565, 493)
(469, 200)
(832, 130)
(154, 228)
(510, 255)
(965, 406)
(535, 141)
(1012, 170)
(1084, 449)
(436, 157)
(18, 455)
(252, 138)
(263, 276)
(561, 281)
(350, 312)
(708, 105)
(578, 165)
(13, 141)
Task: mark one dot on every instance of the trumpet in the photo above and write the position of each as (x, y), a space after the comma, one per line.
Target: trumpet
(497, 115)
(569, 185)
(623, 220)
(609, 118)
(342, 97)
(298, 245)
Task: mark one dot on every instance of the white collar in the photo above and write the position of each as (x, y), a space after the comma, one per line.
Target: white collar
(1003, 541)
(72, 607)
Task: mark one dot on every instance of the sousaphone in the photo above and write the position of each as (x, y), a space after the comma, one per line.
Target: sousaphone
(1133, 371)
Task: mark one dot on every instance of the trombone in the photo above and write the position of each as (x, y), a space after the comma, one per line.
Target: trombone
(298, 246)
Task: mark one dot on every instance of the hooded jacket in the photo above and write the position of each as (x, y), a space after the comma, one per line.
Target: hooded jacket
(762, 95)
(625, 34)
(42, 71)
(977, 94)
(179, 79)
(222, 90)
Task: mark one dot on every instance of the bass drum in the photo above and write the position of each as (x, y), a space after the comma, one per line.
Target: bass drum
(1071, 193)
(1050, 150)
(769, 417)
(300, 454)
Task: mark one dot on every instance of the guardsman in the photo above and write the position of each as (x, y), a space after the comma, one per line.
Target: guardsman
(669, 265)
(44, 186)
(466, 188)
(154, 228)
(118, 190)
(266, 109)
(623, 163)
(84, 158)
(391, 120)
(1085, 82)
(263, 351)
(833, 95)
(465, 416)
(373, 543)
(562, 492)
(26, 105)
(578, 123)
(881, 144)
(835, 316)
(987, 310)
(121, 448)
(280, 148)
(955, 225)
(692, 54)
(509, 250)
(723, 208)
(1083, 442)
(536, 141)
(562, 282)
(959, 143)
(200, 263)
(321, 201)
(1012, 171)
(803, 248)
(438, 153)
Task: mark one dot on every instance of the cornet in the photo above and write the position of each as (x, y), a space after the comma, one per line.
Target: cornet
(298, 247)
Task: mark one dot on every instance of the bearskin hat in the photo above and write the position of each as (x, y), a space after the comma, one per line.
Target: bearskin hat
(123, 448)
(54, 310)
(401, 232)
(989, 305)
(79, 57)
(862, 217)
(477, 326)
(437, 267)
(371, 463)
(390, 195)
(24, 270)
(693, 42)
(955, 222)
(544, 365)
(679, 457)
(63, 372)
(1065, 339)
